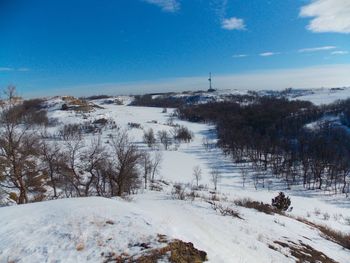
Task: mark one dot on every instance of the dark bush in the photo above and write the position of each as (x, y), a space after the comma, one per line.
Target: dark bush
(64, 107)
(183, 134)
(101, 121)
(281, 202)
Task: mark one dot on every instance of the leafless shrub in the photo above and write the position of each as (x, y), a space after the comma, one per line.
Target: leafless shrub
(178, 192)
(224, 210)
(326, 216)
(347, 220)
(133, 125)
(317, 211)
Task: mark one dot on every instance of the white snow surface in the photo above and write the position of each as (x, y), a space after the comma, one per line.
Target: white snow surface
(51, 231)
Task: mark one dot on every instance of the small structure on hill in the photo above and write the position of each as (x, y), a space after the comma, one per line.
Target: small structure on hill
(210, 86)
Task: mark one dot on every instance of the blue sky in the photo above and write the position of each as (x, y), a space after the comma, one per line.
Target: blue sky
(86, 47)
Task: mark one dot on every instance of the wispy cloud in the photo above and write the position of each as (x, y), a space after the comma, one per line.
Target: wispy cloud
(328, 16)
(233, 23)
(240, 56)
(316, 49)
(23, 69)
(269, 54)
(220, 7)
(171, 6)
(14, 69)
(6, 69)
(340, 52)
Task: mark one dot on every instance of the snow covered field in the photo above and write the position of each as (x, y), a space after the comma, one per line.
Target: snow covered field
(79, 230)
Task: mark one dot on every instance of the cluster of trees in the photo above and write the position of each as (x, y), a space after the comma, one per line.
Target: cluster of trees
(33, 168)
(178, 134)
(170, 100)
(272, 134)
(159, 100)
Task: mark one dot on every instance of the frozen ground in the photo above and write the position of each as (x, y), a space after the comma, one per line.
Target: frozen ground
(76, 230)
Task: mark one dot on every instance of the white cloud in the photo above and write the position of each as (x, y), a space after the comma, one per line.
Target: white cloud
(233, 23)
(269, 54)
(240, 56)
(166, 5)
(6, 69)
(328, 16)
(316, 49)
(340, 52)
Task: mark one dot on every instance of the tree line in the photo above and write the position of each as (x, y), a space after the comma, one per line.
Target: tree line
(284, 137)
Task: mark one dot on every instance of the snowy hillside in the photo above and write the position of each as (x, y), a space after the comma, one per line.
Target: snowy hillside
(90, 229)
(100, 230)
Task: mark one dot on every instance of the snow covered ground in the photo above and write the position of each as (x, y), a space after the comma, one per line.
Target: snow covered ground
(85, 229)
(79, 230)
(318, 96)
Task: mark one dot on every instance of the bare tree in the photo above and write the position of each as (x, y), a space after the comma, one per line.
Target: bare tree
(18, 153)
(125, 158)
(149, 138)
(164, 138)
(197, 174)
(215, 177)
(146, 163)
(51, 158)
(244, 175)
(206, 143)
(156, 164)
(73, 174)
(93, 163)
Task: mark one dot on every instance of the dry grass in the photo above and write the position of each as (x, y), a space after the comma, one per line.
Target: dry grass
(259, 206)
(302, 252)
(175, 251)
(342, 239)
(80, 246)
(77, 104)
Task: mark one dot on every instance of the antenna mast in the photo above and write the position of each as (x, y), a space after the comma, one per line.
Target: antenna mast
(210, 87)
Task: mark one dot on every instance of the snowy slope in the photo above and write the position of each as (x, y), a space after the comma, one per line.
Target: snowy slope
(79, 230)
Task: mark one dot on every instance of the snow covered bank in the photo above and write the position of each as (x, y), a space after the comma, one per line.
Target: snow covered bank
(88, 229)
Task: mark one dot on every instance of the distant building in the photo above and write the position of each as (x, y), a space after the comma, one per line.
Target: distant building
(210, 86)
